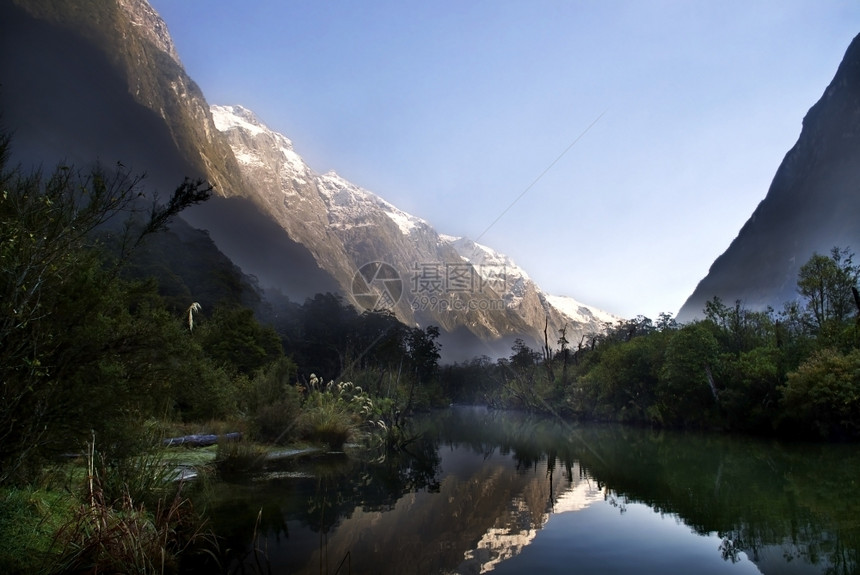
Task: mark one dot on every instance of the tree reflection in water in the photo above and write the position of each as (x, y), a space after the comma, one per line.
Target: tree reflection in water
(478, 487)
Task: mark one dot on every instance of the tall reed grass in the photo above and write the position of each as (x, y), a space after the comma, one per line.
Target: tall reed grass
(114, 530)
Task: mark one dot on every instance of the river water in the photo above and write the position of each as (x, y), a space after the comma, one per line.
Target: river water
(490, 491)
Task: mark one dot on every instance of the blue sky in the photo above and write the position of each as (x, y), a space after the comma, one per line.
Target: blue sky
(452, 109)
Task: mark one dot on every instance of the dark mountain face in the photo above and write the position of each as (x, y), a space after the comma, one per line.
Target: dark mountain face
(813, 205)
(65, 100)
(134, 49)
(275, 257)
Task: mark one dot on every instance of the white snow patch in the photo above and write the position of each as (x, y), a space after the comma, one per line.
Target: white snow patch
(403, 220)
(488, 261)
(292, 167)
(249, 158)
(295, 161)
(578, 311)
(350, 203)
(227, 117)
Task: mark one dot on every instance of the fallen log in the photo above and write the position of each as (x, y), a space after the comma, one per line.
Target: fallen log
(201, 439)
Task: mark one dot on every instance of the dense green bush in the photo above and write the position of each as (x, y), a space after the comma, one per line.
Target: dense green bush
(275, 402)
(75, 338)
(823, 395)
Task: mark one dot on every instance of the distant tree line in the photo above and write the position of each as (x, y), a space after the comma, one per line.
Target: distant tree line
(793, 372)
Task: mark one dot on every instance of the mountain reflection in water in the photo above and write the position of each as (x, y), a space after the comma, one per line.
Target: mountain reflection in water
(507, 492)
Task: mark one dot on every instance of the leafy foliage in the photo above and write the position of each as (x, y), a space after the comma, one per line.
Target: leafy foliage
(823, 395)
(275, 402)
(235, 339)
(826, 284)
(75, 338)
(790, 372)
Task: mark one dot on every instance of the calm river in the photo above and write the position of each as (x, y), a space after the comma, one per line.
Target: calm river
(505, 492)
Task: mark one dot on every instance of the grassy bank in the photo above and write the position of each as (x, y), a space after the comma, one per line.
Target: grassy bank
(98, 514)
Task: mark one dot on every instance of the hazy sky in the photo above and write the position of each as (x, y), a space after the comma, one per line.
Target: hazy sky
(452, 109)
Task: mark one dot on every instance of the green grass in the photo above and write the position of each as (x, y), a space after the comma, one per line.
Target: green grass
(197, 457)
(30, 518)
(97, 515)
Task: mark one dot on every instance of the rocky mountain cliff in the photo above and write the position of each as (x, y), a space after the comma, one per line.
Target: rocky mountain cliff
(813, 205)
(83, 80)
(354, 234)
(134, 39)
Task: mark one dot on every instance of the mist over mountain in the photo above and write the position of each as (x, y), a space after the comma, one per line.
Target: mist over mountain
(84, 81)
(812, 205)
(463, 287)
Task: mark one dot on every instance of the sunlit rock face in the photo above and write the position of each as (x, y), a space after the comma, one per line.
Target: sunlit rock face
(295, 230)
(451, 282)
(812, 205)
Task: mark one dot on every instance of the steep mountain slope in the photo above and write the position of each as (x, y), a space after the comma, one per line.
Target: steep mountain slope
(445, 281)
(134, 40)
(67, 94)
(64, 101)
(812, 205)
(103, 79)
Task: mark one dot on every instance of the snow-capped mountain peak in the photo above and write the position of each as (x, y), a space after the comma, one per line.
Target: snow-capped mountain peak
(578, 311)
(449, 281)
(243, 120)
(350, 203)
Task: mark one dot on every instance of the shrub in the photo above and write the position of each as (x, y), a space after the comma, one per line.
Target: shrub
(333, 412)
(275, 402)
(276, 423)
(823, 395)
(328, 423)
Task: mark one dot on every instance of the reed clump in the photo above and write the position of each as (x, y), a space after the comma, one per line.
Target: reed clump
(132, 519)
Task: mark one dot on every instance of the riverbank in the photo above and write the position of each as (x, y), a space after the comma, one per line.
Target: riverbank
(140, 512)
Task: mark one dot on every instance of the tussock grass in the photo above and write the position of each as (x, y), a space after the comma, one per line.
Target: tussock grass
(329, 424)
(117, 516)
(126, 537)
(238, 459)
